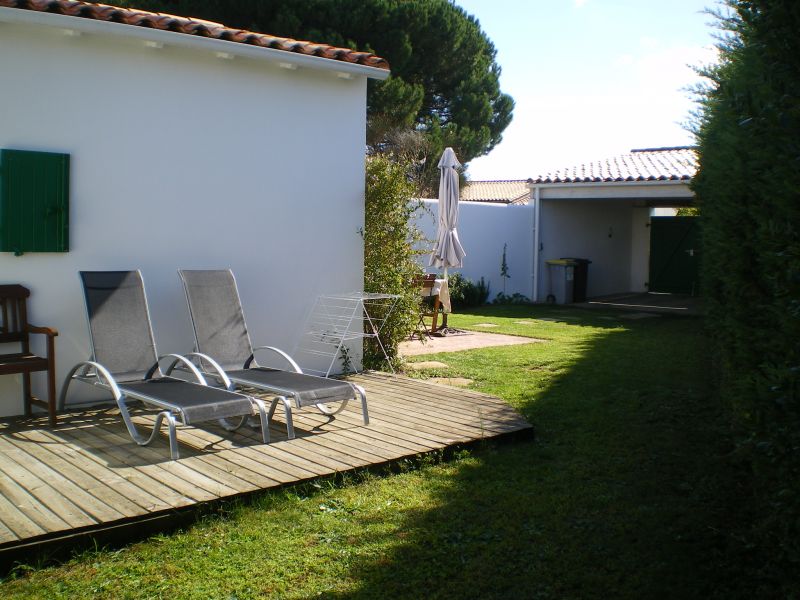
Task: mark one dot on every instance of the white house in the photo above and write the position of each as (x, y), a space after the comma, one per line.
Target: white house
(601, 211)
(190, 145)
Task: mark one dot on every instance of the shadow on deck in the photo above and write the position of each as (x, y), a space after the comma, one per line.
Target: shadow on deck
(86, 478)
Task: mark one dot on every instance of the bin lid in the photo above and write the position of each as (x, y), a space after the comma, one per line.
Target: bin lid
(560, 261)
(577, 261)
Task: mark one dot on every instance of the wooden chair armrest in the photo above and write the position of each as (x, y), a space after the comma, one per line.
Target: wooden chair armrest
(45, 330)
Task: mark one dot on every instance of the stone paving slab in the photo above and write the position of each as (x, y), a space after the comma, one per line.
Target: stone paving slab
(452, 381)
(456, 343)
(426, 364)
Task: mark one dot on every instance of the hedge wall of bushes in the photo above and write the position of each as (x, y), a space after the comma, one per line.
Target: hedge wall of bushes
(390, 239)
(748, 187)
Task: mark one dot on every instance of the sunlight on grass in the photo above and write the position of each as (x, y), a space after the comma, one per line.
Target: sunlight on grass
(520, 374)
(622, 494)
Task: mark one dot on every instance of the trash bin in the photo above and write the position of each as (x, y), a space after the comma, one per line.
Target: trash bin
(581, 272)
(561, 273)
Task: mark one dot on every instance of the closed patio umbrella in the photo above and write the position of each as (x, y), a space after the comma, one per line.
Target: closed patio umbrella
(448, 252)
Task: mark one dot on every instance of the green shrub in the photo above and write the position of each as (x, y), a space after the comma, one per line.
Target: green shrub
(389, 242)
(748, 188)
(464, 293)
(515, 298)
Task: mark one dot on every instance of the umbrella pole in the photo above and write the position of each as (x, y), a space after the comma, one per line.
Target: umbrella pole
(443, 326)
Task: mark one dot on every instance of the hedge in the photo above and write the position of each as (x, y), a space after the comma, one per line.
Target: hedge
(390, 246)
(748, 189)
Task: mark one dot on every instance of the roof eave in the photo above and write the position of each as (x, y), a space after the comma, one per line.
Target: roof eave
(586, 184)
(220, 48)
(669, 191)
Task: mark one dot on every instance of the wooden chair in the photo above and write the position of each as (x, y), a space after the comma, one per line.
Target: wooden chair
(430, 309)
(14, 328)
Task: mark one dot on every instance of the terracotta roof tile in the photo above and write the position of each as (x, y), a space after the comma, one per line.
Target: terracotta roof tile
(649, 164)
(509, 191)
(192, 26)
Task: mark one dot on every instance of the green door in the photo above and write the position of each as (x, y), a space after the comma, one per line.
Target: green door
(674, 255)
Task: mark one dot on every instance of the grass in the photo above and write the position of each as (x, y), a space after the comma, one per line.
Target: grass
(626, 492)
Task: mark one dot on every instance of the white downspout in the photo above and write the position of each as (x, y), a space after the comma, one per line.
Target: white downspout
(536, 238)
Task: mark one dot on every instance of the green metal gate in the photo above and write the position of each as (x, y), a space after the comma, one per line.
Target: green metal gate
(674, 255)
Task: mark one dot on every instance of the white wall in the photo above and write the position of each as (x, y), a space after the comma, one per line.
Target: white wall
(483, 228)
(597, 230)
(180, 159)
(569, 228)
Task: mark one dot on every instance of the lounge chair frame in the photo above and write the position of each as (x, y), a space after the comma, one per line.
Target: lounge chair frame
(286, 396)
(93, 373)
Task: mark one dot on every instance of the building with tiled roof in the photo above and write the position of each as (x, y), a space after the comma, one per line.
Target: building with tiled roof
(618, 213)
(131, 139)
(171, 24)
(646, 165)
(507, 191)
(654, 176)
(605, 211)
(678, 163)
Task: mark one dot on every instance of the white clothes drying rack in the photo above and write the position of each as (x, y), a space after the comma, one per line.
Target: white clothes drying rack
(339, 318)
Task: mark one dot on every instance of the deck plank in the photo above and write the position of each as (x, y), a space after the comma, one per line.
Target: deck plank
(23, 514)
(43, 498)
(150, 481)
(314, 455)
(155, 462)
(355, 454)
(6, 533)
(101, 500)
(442, 399)
(87, 473)
(123, 481)
(444, 402)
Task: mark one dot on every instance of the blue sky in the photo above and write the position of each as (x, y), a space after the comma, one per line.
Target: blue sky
(591, 78)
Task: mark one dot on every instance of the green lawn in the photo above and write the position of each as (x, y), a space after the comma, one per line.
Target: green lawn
(626, 492)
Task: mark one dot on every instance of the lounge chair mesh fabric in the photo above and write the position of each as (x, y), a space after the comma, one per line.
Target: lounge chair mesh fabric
(123, 344)
(119, 323)
(218, 318)
(306, 389)
(202, 404)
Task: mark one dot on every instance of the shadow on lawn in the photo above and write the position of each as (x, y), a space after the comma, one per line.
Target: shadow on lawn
(624, 493)
(559, 314)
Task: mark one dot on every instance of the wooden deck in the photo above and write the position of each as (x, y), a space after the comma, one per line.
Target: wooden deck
(86, 475)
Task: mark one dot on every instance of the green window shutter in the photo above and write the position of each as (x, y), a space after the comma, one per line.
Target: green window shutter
(34, 201)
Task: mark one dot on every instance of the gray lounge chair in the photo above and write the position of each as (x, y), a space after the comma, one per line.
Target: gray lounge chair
(220, 332)
(124, 361)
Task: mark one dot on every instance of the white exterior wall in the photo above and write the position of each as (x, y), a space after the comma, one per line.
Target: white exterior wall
(569, 228)
(483, 228)
(597, 230)
(182, 160)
